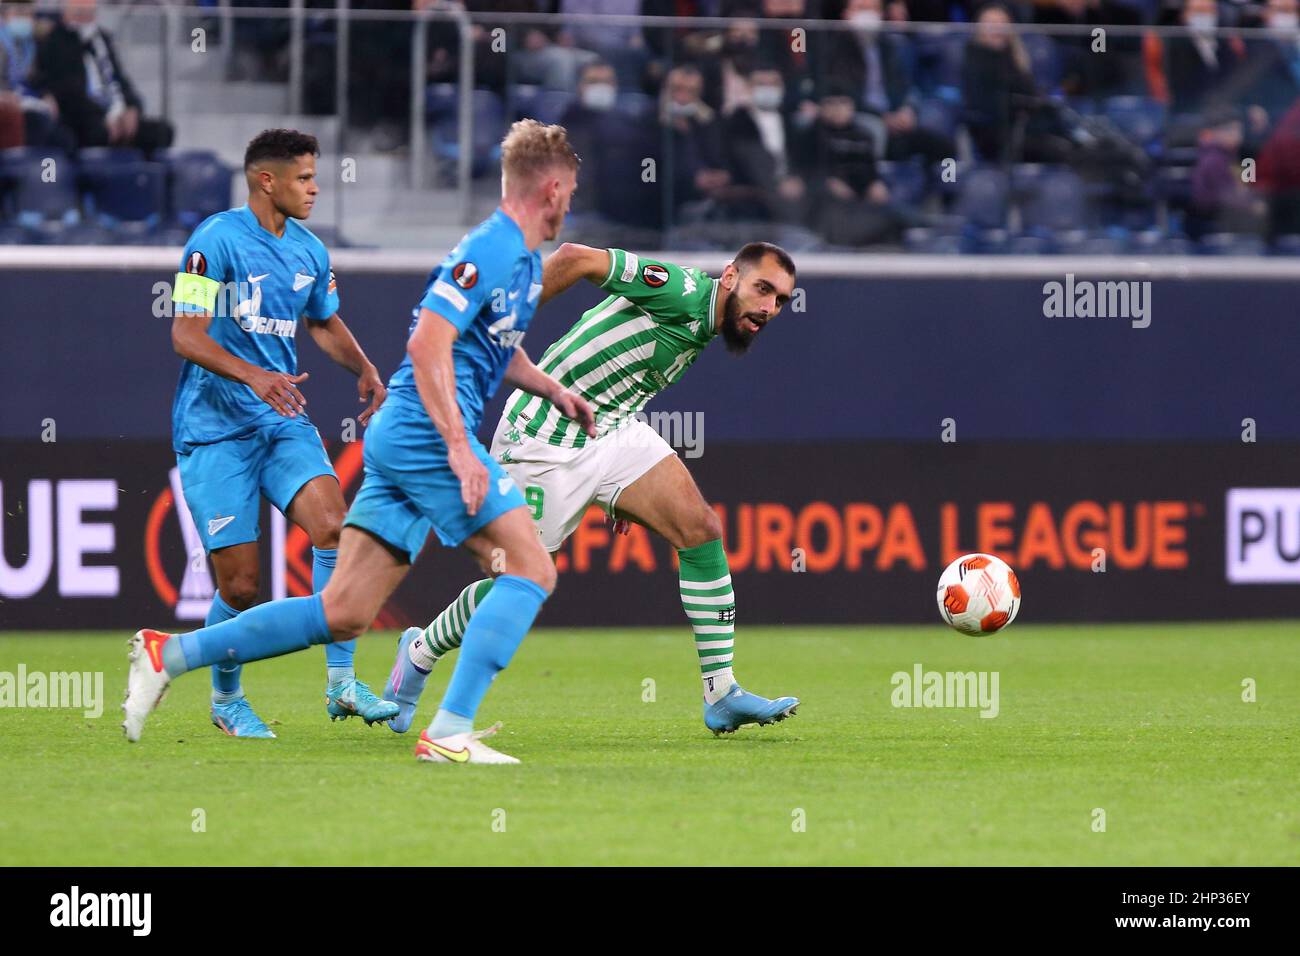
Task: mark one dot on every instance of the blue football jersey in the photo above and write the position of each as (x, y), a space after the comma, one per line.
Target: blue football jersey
(257, 287)
(488, 287)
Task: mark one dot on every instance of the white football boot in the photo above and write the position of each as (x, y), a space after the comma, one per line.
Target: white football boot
(461, 748)
(146, 681)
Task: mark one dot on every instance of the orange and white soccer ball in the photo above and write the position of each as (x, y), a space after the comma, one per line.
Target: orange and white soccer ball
(978, 594)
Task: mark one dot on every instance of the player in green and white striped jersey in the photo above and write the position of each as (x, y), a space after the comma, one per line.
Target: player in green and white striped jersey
(654, 323)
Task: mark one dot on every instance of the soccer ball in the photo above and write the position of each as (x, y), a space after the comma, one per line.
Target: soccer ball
(978, 594)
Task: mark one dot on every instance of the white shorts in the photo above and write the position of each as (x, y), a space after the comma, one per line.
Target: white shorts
(559, 483)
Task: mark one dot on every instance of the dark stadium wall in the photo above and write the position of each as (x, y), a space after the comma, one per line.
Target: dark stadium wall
(823, 532)
(867, 359)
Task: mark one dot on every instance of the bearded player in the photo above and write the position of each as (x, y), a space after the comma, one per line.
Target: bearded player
(657, 319)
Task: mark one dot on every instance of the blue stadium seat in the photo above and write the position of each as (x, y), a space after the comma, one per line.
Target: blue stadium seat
(1231, 244)
(986, 242)
(109, 155)
(83, 234)
(932, 241)
(1140, 118)
(939, 114)
(41, 185)
(1031, 246)
(1173, 184)
(199, 186)
(983, 197)
(1108, 244)
(951, 54)
(549, 105)
(906, 182)
(130, 192)
(440, 100)
(1288, 245)
(1027, 177)
(1057, 202)
(521, 98)
(633, 104)
(1044, 59)
(489, 125)
(12, 234)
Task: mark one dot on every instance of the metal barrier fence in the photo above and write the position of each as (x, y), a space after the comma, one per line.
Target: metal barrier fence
(176, 24)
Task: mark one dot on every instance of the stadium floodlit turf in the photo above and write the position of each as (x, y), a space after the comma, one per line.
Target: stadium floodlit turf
(1145, 723)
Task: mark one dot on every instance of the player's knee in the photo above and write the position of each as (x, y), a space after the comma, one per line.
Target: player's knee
(345, 621)
(327, 537)
(704, 526)
(543, 575)
(240, 592)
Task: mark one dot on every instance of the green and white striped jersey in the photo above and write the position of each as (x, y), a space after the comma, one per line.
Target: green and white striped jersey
(625, 351)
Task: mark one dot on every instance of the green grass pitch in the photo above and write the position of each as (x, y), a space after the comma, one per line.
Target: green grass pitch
(1146, 723)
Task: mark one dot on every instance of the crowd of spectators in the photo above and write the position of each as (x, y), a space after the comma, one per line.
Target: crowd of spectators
(807, 128)
(62, 85)
(749, 123)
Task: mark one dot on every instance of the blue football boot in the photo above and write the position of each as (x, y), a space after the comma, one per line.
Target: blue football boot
(405, 683)
(352, 698)
(741, 707)
(237, 719)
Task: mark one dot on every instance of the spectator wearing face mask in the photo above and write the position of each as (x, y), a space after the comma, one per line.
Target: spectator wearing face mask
(877, 65)
(1268, 81)
(32, 117)
(612, 145)
(793, 60)
(760, 139)
(77, 63)
(693, 134)
(1185, 72)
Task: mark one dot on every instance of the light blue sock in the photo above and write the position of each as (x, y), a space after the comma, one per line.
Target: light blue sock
(494, 634)
(445, 723)
(338, 656)
(268, 630)
(225, 677)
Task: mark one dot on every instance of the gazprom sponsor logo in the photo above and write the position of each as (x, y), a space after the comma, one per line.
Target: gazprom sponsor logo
(261, 325)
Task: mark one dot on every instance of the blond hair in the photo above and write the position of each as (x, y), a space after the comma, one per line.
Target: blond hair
(532, 148)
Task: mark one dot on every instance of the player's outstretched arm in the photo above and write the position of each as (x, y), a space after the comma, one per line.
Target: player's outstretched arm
(569, 263)
(192, 342)
(521, 373)
(337, 341)
(435, 379)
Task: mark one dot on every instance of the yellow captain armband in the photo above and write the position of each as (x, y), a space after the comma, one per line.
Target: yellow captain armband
(196, 290)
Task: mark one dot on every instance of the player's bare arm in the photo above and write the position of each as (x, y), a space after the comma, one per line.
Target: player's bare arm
(435, 379)
(521, 373)
(191, 341)
(337, 341)
(569, 263)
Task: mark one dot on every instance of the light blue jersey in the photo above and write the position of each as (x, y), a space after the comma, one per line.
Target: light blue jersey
(258, 287)
(488, 287)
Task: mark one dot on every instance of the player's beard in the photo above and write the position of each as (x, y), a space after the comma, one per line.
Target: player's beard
(737, 339)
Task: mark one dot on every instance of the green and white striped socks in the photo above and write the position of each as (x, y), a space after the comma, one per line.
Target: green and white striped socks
(711, 605)
(448, 628)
